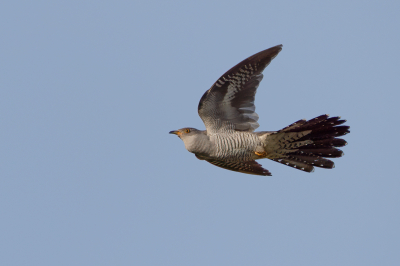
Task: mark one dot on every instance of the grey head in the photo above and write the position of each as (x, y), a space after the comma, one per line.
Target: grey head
(185, 132)
(196, 141)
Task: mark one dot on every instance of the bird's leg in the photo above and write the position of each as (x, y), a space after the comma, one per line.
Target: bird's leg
(260, 152)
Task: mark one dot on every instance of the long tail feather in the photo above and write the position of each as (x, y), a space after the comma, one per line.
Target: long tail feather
(305, 144)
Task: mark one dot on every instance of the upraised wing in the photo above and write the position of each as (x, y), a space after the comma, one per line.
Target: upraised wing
(230, 101)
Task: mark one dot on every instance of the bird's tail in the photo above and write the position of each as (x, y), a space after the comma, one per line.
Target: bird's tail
(305, 144)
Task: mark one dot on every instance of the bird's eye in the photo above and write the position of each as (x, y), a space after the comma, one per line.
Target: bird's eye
(187, 130)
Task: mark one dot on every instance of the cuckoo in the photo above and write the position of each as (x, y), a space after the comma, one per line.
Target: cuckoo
(229, 141)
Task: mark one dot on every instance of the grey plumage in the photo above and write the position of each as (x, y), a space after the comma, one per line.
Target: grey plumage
(229, 141)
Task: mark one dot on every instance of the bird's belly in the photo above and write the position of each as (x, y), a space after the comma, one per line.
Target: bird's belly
(239, 146)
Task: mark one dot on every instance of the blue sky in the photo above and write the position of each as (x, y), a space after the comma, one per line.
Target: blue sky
(90, 175)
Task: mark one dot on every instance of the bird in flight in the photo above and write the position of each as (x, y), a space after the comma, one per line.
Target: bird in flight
(229, 141)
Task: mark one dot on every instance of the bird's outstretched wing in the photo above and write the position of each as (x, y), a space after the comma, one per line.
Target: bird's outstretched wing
(230, 101)
(249, 167)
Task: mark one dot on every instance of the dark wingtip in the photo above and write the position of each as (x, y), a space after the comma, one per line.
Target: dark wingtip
(266, 172)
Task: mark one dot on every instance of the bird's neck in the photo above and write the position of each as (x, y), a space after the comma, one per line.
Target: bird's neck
(199, 144)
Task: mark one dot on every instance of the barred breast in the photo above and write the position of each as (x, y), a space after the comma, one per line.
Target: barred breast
(235, 145)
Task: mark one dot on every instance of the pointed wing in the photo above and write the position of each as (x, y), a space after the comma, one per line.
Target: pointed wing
(230, 101)
(249, 167)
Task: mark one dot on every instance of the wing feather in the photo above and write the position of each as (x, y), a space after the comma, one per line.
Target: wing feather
(230, 100)
(248, 167)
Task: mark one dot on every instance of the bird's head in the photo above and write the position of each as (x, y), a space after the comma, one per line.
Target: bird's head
(185, 132)
(192, 138)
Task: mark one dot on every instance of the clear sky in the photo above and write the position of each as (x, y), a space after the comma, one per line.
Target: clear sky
(90, 176)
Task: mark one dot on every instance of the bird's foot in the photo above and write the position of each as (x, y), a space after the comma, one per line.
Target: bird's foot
(261, 154)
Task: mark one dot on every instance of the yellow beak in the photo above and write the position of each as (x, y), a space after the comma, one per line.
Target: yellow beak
(175, 132)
